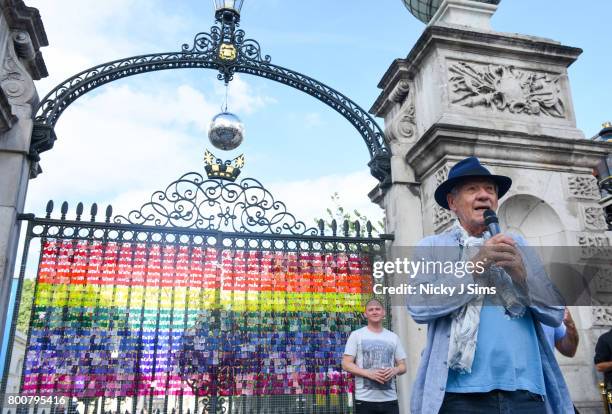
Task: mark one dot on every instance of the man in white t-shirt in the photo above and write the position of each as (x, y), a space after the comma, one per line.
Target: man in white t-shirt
(375, 356)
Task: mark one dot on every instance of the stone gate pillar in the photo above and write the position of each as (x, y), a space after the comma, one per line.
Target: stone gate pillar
(21, 36)
(466, 90)
(401, 200)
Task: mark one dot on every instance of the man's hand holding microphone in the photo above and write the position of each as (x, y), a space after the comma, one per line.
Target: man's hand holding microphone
(501, 250)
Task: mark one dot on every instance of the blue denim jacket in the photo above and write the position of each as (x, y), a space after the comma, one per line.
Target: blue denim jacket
(429, 387)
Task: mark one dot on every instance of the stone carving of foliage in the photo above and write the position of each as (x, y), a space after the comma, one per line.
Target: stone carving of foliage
(506, 88)
(593, 240)
(441, 175)
(441, 216)
(594, 246)
(602, 315)
(583, 186)
(594, 218)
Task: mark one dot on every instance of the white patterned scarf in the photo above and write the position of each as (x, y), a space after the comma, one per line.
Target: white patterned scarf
(465, 320)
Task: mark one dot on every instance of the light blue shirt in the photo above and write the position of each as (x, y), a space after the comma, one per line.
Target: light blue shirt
(430, 384)
(506, 362)
(554, 334)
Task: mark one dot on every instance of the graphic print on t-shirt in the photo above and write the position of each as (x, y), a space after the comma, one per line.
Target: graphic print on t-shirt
(377, 354)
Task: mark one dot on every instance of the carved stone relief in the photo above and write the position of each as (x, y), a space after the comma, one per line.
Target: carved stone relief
(603, 280)
(594, 218)
(593, 240)
(441, 216)
(593, 245)
(15, 80)
(505, 88)
(402, 126)
(442, 174)
(583, 186)
(400, 92)
(602, 315)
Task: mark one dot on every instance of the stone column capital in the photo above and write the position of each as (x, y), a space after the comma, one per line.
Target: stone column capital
(28, 35)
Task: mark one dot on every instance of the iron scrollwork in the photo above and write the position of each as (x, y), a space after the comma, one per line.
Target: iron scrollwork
(239, 51)
(210, 50)
(210, 204)
(204, 43)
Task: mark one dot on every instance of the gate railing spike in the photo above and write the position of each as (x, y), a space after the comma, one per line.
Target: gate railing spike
(369, 228)
(79, 211)
(334, 227)
(64, 210)
(321, 227)
(109, 213)
(49, 209)
(93, 212)
(345, 227)
(357, 228)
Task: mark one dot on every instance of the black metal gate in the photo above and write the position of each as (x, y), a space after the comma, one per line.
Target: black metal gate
(211, 298)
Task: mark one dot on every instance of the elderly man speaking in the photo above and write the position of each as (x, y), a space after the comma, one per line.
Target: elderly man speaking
(485, 353)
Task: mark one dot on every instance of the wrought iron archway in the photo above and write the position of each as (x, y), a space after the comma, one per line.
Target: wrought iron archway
(229, 53)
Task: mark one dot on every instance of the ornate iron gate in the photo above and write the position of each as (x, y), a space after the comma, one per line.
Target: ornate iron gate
(211, 298)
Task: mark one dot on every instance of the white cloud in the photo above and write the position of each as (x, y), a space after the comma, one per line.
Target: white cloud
(123, 139)
(305, 199)
(308, 199)
(83, 34)
(77, 35)
(130, 200)
(168, 105)
(241, 97)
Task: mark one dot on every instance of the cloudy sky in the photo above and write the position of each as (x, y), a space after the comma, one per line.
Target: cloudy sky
(125, 140)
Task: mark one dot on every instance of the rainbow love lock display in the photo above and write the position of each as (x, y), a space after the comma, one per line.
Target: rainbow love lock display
(135, 319)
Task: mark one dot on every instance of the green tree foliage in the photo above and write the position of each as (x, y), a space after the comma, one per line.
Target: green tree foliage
(339, 213)
(25, 306)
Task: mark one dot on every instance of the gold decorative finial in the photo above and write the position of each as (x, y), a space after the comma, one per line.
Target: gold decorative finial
(225, 170)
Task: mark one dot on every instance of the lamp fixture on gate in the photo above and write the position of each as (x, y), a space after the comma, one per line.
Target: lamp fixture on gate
(228, 11)
(227, 14)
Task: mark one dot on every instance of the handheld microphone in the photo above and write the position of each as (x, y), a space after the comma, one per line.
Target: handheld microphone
(491, 222)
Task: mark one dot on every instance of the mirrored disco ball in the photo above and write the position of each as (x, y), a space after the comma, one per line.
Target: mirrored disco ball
(226, 131)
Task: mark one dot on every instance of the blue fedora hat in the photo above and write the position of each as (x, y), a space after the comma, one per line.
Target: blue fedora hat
(469, 168)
